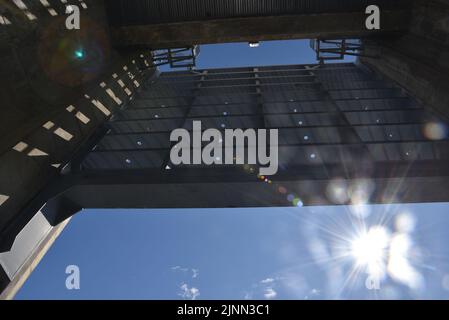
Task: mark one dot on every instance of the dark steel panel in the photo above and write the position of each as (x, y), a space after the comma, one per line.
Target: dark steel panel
(139, 12)
(345, 116)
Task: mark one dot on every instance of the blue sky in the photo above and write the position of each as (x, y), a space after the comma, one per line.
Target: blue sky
(254, 253)
(258, 253)
(268, 53)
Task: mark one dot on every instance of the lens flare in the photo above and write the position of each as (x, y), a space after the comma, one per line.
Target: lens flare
(79, 54)
(282, 190)
(367, 253)
(369, 250)
(399, 266)
(360, 193)
(297, 202)
(435, 131)
(337, 191)
(405, 222)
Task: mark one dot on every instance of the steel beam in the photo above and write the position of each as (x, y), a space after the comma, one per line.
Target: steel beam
(328, 25)
(423, 181)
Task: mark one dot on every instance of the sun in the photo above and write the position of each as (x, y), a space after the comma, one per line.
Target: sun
(369, 250)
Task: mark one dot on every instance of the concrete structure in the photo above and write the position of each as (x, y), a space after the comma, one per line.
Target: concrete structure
(178, 23)
(335, 122)
(51, 104)
(419, 59)
(66, 92)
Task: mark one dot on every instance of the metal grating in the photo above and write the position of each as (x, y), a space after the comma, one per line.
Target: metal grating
(326, 115)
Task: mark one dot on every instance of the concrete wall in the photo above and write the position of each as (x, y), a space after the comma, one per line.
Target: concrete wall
(326, 25)
(39, 71)
(40, 78)
(419, 60)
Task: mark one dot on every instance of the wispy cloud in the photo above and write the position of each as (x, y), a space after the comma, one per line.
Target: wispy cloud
(267, 280)
(287, 282)
(195, 272)
(188, 293)
(179, 268)
(270, 293)
(265, 288)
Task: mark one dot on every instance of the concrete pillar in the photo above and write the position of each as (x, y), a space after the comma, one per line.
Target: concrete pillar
(419, 60)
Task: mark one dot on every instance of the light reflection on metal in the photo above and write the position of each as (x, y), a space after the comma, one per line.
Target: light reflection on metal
(254, 44)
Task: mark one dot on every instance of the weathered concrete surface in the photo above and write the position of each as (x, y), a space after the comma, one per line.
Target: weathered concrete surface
(39, 78)
(32, 261)
(419, 60)
(39, 72)
(330, 25)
